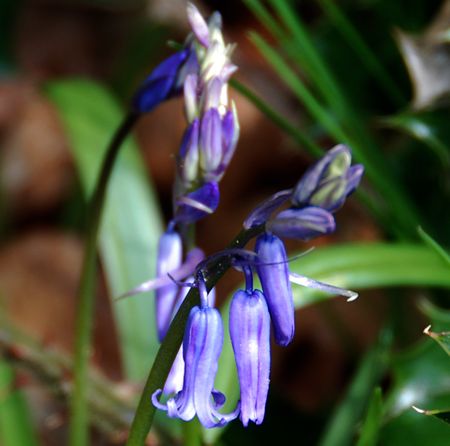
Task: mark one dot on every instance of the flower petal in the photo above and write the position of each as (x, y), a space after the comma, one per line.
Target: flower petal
(262, 212)
(302, 224)
(273, 272)
(250, 337)
(197, 204)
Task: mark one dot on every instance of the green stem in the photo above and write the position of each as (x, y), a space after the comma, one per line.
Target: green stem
(78, 428)
(145, 412)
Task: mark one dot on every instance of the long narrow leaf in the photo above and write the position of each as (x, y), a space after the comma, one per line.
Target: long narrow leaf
(341, 428)
(15, 423)
(131, 223)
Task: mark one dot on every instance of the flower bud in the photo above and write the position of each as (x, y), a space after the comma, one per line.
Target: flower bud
(197, 204)
(189, 154)
(273, 272)
(303, 224)
(210, 141)
(198, 24)
(191, 97)
(162, 83)
(328, 182)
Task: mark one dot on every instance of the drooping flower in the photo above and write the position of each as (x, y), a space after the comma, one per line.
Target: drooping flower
(273, 272)
(250, 337)
(202, 345)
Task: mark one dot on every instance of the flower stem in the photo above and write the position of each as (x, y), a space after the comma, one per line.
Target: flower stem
(145, 412)
(78, 428)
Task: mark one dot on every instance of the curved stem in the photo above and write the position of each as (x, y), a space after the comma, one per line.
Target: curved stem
(78, 428)
(145, 412)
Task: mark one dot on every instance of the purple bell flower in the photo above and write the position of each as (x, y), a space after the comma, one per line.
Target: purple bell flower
(329, 181)
(273, 272)
(202, 345)
(170, 253)
(303, 224)
(250, 337)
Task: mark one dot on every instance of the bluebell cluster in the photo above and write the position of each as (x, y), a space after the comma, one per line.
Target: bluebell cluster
(201, 71)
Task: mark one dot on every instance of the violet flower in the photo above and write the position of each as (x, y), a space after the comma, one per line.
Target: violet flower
(202, 345)
(273, 272)
(250, 337)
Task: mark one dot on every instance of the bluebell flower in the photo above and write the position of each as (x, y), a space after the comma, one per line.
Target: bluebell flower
(202, 345)
(250, 337)
(273, 272)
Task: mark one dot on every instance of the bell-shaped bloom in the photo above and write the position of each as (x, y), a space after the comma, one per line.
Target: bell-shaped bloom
(165, 80)
(273, 272)
(197, 204)
(329, 181)
(170, 256)
(302, 224)
(202, 345)
(250, 337)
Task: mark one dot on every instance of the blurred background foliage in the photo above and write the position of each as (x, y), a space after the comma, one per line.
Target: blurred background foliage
(371, 73)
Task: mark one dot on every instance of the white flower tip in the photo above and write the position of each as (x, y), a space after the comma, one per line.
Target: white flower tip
(352, 296)
(198, 24)
(418, 410)
(427, 330)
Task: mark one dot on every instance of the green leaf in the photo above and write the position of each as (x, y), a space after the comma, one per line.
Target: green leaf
(131, 222)
(442, 338)
(433, 244)
(363, 51)
(371, 426)
(16, 428)
(431, 128)
(341, 427)
(361, 266)
(420, 378)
